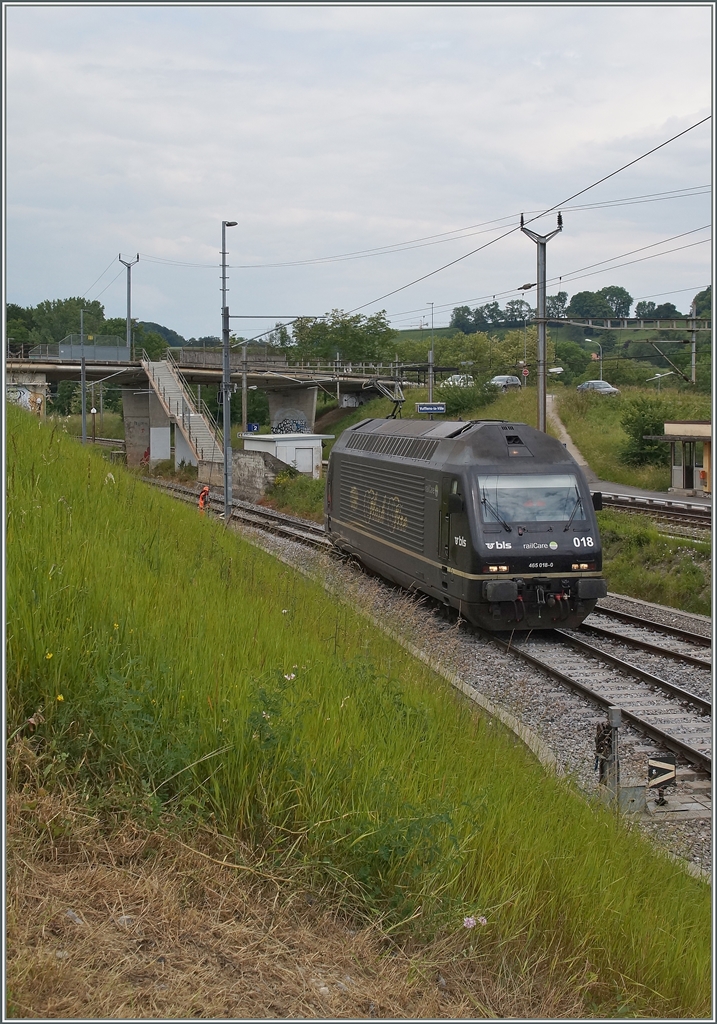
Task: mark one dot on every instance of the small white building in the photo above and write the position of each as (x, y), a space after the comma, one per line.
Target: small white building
(300, 451)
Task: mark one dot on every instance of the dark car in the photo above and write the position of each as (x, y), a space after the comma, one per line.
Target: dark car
(601, 386)
(505, 382)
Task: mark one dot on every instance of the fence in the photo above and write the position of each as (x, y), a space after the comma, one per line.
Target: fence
(102, 348)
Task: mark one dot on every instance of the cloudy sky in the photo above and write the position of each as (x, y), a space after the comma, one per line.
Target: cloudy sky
(327, 131)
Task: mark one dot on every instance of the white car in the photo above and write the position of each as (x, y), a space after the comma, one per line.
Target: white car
(505, 382)
(458, 380)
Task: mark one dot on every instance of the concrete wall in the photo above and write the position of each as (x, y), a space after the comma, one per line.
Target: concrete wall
(28, 390)
(159, 431)
(253, 473)
(292, 410)
(182, 452)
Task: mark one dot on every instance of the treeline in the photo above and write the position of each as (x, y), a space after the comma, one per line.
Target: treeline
(611, 301)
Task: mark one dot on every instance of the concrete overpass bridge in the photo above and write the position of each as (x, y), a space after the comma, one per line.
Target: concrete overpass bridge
(157, 400)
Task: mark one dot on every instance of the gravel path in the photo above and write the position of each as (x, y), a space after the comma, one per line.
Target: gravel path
(558, 724)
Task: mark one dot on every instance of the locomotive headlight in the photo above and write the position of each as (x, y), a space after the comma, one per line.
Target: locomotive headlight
(503, 568)
(582, 565)
(496, 568)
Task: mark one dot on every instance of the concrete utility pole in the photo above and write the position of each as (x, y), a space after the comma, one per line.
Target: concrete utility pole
(693, 311)
(430, 360)
(226, 380)
(129, 264)
(541, 241)
(83, 389)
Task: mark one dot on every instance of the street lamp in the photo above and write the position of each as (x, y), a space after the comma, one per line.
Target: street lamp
(226, 379)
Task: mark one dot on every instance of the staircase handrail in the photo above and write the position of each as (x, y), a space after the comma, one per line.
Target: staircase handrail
(197, 406)
(184, 407)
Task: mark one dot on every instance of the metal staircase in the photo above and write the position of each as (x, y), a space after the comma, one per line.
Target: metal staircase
(193, 418)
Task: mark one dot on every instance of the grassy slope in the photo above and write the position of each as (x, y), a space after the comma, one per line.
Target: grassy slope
(593, 422)
(174, 660)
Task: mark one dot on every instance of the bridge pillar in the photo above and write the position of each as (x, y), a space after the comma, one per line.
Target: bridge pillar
(292, 410)
(135, 412)
(146, 427)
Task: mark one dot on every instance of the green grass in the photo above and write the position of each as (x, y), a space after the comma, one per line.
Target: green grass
(593, 422)
(641, 562)
(299, 495)
(173, 659)
(112, 424)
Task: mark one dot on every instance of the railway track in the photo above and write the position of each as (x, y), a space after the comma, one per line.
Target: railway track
(665, 510)
(674, 714)
(302, 530)
(669, 714)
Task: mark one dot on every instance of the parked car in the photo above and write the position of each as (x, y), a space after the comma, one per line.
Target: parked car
(458, 380)
(601, 386)
(506, 382)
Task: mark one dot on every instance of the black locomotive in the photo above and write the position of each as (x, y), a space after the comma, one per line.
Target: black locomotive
(493, 518)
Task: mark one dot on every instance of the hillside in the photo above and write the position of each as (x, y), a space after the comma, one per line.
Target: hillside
(139, 723)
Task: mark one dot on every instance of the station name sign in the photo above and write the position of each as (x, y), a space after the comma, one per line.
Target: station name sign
(430, 407)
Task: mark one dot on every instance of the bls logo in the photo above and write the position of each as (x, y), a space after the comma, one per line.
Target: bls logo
(499, 545)
(460, 542)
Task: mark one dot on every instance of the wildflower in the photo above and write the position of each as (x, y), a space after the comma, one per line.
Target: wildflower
(48, 655)
(290, 676)
(59, 697)
(284, 611)
(469, 922)
(264, 715)
(482, 920)
(116, 625)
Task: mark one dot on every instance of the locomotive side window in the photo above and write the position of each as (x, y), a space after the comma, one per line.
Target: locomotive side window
(550, 497)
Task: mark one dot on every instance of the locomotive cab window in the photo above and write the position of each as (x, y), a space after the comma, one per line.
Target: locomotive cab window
(549, 497)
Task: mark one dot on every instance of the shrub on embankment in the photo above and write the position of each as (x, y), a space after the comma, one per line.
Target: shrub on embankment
(175, 661)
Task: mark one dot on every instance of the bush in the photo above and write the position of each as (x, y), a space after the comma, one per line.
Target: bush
(643, 416)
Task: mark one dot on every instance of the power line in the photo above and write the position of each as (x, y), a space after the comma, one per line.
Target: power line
(438, 239)
(567, 274)
(582, 191)
(605, 270)
(107, 285)
(85, 293)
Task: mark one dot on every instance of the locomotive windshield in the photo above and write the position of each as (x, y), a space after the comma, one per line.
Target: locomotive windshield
(553, 497)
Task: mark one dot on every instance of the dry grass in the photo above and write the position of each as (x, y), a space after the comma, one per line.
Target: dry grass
(110, 918)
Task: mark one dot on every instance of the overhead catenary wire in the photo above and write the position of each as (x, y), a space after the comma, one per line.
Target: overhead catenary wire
(550, 209)
(566, 275)
(88, 290)
(445, 236)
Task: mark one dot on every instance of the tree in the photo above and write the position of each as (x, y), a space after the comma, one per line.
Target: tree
(356, 338)
(55, 319)
(703, 303)
(572, 358)
(666, 311)
(589, 304)
(645, 310)
(518, 309)
(462, 319)
(643, 416)
(556, 305)
(618, 299)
